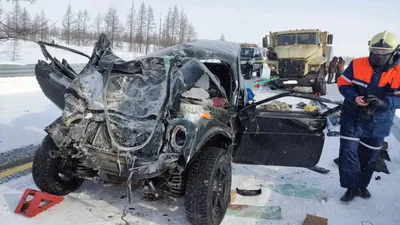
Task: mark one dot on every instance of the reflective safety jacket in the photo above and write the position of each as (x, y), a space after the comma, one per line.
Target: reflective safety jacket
(361, 79)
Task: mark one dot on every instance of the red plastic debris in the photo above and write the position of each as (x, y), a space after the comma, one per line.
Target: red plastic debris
(257, 85)
(219, 102)
(40, 202)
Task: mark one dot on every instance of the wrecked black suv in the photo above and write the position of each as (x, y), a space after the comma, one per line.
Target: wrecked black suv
(172, 121)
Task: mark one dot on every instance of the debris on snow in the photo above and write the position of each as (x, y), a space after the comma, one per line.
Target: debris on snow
(315, 220)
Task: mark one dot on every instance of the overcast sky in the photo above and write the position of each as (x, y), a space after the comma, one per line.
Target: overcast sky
(353, 22)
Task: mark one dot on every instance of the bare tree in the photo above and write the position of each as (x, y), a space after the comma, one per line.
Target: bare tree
(68, 23)
(44, 30)
(25, 22)
(183, 24)
(192, 34)
(222, 38)
(174, 23)
(14, 49)
(159, 32)
(112, 23)
(98, 23)
(150, 25)
(16, 20)
(85, 21)
(78, 27)
(54, 32)
(35, 27)
(166, 29)
(141, 26)
(130, 22)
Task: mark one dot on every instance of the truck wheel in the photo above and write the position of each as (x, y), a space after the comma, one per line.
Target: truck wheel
(208, 186)
(260, 71)
(47, 171)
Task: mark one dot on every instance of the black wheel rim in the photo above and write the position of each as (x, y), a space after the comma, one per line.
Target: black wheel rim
(221, 190)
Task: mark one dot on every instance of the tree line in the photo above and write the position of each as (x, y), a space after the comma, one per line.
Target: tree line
(138, 29)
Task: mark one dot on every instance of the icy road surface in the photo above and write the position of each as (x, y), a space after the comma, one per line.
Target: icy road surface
(288, 194)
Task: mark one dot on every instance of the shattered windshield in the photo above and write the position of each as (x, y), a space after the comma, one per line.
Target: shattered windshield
(246, 52)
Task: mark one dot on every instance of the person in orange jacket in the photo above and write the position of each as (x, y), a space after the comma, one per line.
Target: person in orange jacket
(371, 90)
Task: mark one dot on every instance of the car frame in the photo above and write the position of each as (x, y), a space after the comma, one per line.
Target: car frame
(200, 142)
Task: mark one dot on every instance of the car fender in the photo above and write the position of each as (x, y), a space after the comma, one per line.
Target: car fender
(206, 134)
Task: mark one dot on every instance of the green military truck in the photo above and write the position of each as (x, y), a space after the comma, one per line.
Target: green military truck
(251, 60)
(299, 58)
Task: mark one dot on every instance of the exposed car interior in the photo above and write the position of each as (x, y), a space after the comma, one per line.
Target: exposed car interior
(224, 73)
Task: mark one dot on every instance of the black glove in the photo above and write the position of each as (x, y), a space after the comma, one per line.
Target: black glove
(374, 103)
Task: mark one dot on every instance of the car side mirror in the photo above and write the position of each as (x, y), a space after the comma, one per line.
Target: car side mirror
(330, 39)
(265, 42)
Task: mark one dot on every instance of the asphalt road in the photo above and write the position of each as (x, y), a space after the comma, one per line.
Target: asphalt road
(7, 70)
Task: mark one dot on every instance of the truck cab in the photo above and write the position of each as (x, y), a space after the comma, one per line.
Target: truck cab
(251, 60)
(299, 57)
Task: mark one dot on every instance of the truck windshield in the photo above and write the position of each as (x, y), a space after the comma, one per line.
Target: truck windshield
(286, 39)
(302, 39)
(246, 52)
(307, 39)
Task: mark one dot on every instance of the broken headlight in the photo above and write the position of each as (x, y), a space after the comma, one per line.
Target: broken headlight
(178, 137)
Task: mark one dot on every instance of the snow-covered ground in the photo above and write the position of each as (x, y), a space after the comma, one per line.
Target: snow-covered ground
(24, 112)
(288, 194)
(29, 52)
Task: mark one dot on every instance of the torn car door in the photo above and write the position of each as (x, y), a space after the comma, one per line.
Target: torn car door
(281, 138)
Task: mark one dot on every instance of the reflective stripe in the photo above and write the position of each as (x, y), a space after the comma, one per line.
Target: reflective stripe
(370, 147)
(345, 78)
(350, 138)
(359, 83)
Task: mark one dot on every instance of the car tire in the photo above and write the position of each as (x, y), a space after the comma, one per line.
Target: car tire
(46, 171)
(260, 71)
(207, 194)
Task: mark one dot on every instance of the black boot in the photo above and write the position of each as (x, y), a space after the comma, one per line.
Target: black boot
(350, 194)
(365, 193)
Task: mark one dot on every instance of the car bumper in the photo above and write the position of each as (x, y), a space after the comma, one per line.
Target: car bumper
(306, 81)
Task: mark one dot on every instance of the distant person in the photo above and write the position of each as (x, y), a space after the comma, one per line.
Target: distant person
(332, 69)
(367, 113)
(339, 68)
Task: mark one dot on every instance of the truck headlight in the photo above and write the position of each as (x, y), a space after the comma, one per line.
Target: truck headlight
(273, 67)
(313, 68)
(243, 62)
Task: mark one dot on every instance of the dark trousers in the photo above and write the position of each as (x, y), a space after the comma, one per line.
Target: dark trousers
(357, 160)
(330, 77)
(337, 75)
